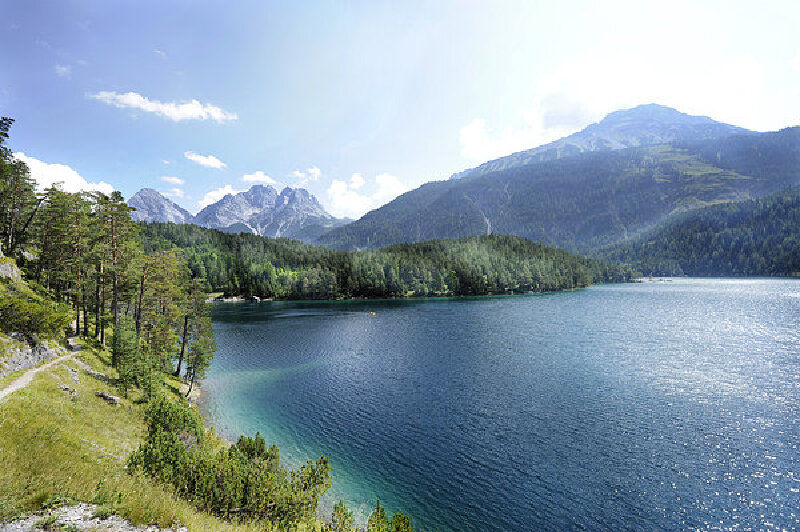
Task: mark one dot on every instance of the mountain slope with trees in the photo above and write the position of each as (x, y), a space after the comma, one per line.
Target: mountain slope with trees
(756, 237)
(585, 201)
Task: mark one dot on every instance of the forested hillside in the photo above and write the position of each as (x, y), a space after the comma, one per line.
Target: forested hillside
(757, 237)
(587, 201)
(247, 264)
(85, 272)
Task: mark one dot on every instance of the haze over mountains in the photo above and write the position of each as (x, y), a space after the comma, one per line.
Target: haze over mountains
(292, 213)
(632, 171)
(590, 189)
(644, 125)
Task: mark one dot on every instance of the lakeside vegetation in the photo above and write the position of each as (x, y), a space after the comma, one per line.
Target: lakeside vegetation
(248, 265)
(753, 238)
(144, 315)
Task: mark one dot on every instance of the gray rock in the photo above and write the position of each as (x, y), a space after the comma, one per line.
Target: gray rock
(9, 270)
(151, 206)
(262, 210)
(80, 517)
(22, 356)
(110, 399)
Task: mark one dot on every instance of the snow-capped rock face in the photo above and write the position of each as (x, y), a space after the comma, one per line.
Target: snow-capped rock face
(292, 213)
(151, 206)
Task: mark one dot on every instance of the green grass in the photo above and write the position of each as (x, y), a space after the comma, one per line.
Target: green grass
(54, 447)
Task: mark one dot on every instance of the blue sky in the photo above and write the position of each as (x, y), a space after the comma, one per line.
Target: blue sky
(360, 101)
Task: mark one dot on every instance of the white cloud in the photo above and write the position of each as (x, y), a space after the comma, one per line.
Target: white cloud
(174, 193)
(172, 179)
(164, 161)
(304, 177)
(214, 196)
(356, 181)
(209, 161)
(160, 53)
(65, 71)
(259, 177)
(345, 200)
(692, 74)
(193, 110)
(47, 174)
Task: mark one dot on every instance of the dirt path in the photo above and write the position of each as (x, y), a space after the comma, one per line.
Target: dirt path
(26, 378)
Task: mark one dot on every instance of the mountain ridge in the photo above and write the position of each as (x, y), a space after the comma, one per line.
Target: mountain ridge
(261, 210)
(152, 206)
(588, 200)
(643, 125)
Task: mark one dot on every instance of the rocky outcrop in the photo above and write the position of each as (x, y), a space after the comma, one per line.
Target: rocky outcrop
(16, 354)
(9, 269)
(79, 517)
(262, 210)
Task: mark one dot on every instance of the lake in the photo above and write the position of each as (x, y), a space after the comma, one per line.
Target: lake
(660, 405)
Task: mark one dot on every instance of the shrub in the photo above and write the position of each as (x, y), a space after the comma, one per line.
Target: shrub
(33, 319)
(245, 481)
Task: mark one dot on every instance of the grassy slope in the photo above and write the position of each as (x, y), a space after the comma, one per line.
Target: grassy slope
(54, 448)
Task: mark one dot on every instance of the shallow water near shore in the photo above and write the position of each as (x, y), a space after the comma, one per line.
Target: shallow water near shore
(646, 406)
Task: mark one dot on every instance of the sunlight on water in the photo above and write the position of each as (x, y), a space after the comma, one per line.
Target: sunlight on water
(667, 405)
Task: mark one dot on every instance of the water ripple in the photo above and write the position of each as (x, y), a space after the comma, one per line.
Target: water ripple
(658, 406)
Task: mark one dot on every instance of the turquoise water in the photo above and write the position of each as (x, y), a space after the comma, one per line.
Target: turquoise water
(650, 406)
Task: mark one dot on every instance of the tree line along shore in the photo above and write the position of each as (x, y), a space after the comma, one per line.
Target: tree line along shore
(143, 317)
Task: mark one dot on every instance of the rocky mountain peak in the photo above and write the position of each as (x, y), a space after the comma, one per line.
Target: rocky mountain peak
(643, 125)
(152, 206)
(294, 212)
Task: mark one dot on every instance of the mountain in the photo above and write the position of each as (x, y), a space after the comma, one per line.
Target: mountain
(292, 213)
(645, 125)
(151, 206)
(591, 199)
(756, 237)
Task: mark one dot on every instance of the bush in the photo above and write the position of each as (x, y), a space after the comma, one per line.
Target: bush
(33, 319)
(245, 480)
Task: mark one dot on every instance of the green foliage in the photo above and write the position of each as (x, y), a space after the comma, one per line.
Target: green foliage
(247, 265)
(256, 447)
(377, 521)
(245, 480)
(342, 519)
(401, 523)
(33, 319)
(18, 201)
(758, 237)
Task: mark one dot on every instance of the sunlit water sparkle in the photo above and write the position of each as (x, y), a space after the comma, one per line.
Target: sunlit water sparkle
(669, 405)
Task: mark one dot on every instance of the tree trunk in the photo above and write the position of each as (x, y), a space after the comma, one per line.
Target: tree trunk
(97, 324)
(114, 293)
(103, 314)
(183, 345)
(77, 277)
(139, 307)
(85, 316)
(191, 384)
